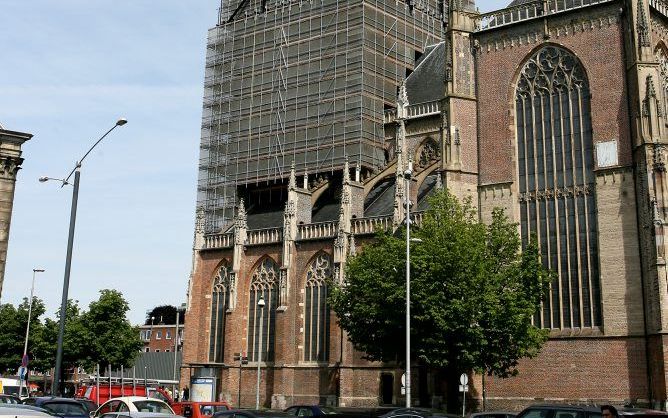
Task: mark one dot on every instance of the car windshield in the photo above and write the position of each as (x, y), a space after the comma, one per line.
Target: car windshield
(211, 409)
(328, 410)
(8, 399)
(152, 406)
(65, 408)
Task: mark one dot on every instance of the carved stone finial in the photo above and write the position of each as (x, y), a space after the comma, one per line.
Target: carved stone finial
(199, 220)
(358, 172)
(305, 179)
(439, 181)
(352, 247)
(402, 101)
(241, 214)
(293, 178)
(642, 26)
(346, 172)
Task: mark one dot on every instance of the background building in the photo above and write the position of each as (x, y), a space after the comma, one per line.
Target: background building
(10, 164)
(554, 110)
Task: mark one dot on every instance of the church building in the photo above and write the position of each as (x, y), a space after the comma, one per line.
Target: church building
(554, 110)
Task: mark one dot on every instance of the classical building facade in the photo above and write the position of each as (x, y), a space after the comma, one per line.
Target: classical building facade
(554, 110)
(10, 164)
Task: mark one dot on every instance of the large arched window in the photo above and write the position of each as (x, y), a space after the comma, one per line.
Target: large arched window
(220, 301)
(556, 183)
(263, 285)
(316, 311)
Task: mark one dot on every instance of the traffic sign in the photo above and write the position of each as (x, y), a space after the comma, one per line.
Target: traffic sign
(22, 372)
(464, 379)
(463, 388)
(24, 361)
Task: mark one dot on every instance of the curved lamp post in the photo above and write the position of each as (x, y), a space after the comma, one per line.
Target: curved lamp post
(55, 390)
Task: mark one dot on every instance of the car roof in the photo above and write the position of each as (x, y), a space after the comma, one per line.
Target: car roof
(136, 398)
(574, 407)
(480, 414)
(22, 412)
(49, 399)
(258, 412)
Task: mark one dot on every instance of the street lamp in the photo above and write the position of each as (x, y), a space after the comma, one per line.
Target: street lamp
(407, 176)
(25, 345)
(260, 303)
(68, 260)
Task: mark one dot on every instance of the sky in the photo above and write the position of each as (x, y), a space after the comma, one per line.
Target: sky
(70, 69)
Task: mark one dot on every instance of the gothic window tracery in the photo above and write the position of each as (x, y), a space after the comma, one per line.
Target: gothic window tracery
(316, 310)
(263, 284)
(428, 154)
(220, 300)
(556, 182)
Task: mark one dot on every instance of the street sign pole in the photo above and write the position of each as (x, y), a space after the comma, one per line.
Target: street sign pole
(464, 387)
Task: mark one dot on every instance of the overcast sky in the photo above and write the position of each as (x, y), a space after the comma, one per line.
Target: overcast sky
(70, 69)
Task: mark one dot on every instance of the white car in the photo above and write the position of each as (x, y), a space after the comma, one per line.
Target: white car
(133, 404)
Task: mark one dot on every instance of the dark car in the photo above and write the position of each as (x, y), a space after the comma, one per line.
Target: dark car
(310, 410)
(87, 403)
(641, 413)
(494, 414)
(64, 407)
(11, 399)
(561, 411)
(251, 413)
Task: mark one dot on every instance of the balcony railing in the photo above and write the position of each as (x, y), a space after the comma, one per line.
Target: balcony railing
(265, 236)
(660, 6)
(532, 10)
(414, 111)
(219, 240)
(317, 230)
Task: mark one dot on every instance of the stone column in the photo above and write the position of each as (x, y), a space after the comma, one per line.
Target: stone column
(10, 164)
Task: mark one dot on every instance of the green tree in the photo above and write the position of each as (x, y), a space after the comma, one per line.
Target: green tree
(165, 314)
(473, 294)
(113, 340)
(13, 321)
(76, 338)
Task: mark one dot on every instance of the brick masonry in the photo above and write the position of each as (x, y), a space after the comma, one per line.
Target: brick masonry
(619, 362)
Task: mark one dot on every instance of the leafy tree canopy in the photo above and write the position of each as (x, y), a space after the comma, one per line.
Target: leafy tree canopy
(164, 314)
(473, 293)
(100, 335)
(13, 321)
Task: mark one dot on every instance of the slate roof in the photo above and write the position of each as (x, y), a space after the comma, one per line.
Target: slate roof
(380, 200)
(518, 2)
(160, 367)
(427, 82)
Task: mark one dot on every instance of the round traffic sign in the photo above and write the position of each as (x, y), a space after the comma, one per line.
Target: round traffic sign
(24, 361)
(464, 379)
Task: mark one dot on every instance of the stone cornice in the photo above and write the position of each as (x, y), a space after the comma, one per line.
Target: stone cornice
(532, 32)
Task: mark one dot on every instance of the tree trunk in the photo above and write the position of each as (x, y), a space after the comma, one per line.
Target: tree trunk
(454, 405)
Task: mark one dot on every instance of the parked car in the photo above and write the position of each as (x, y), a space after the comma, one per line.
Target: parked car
(310, 410)
(90, 405)
(26, 407)
(133, 404)
(190, 409)
(641, 413)
(64, 407)
(18, 412)
(494, 414)
(138, 415)
(10, 399)
(250, 413)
